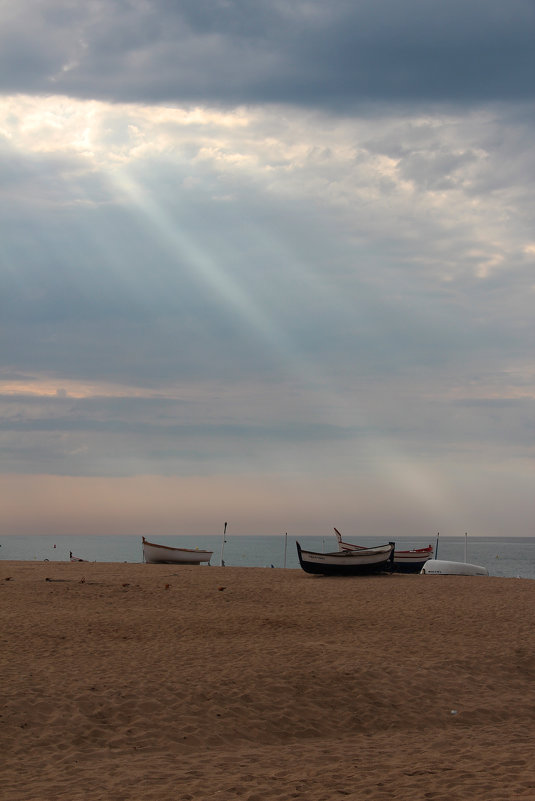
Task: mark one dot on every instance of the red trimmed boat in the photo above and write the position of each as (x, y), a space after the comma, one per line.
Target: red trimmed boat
(410, 561)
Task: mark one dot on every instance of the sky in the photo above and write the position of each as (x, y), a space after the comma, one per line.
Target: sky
(267, 263)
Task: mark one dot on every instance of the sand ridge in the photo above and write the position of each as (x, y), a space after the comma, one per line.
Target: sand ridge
(132, 681)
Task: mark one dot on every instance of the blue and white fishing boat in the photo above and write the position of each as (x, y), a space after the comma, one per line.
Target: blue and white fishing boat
(347, 563)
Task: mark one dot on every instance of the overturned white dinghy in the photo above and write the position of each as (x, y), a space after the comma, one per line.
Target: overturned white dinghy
(440, 567)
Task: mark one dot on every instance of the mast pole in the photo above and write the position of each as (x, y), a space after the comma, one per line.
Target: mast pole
(223, 545)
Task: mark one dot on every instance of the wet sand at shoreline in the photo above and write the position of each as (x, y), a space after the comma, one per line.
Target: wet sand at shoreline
(159, 682)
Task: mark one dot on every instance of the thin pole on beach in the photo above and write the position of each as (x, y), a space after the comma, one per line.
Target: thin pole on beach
(436, 546)
(223, 545)
(285, 546)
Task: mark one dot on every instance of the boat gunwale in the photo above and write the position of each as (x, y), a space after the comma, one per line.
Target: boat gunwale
(346, 553)
(174, 548)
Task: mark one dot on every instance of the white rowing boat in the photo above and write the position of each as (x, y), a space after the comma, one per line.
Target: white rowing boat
(164, 554)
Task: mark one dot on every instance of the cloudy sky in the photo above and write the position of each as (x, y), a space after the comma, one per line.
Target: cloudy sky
(267, 263)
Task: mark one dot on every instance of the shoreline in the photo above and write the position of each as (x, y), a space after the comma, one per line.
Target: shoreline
(506, 558)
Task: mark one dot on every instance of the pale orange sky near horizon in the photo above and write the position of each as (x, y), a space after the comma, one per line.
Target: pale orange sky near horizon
(159, 505)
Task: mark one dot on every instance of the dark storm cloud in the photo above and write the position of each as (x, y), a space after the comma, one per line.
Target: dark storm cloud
(307, 53)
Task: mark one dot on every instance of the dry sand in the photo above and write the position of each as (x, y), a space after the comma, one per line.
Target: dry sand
(155, 682)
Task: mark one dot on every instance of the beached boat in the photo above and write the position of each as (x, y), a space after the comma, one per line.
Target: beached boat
(441, 567)
(347, 563)
(75, 558)
(164, 554)
(409, 561)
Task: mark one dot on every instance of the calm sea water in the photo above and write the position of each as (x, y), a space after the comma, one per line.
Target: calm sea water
(512, 557)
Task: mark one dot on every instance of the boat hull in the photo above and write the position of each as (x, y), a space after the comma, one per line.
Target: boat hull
(343, 563)
(164, 555)
(440, 567)
(411, 561)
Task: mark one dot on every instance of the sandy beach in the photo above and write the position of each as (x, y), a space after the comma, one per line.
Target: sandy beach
(158, 682)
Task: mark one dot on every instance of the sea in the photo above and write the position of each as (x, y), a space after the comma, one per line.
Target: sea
(509, 557)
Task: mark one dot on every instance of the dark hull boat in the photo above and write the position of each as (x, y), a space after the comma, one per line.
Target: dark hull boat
(347, 563)
(410, 561)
